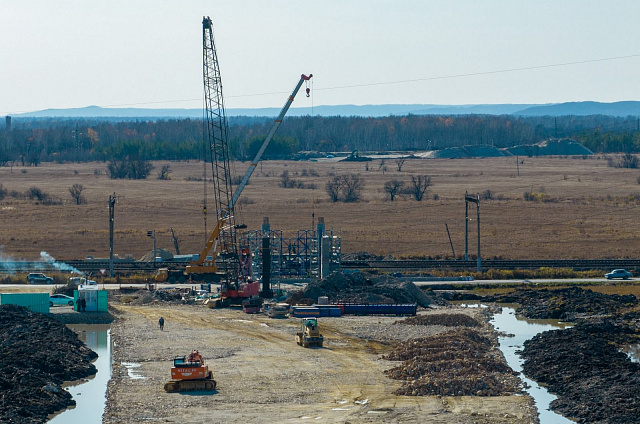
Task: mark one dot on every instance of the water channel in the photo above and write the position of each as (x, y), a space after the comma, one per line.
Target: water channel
(516, 331)
(90, 393)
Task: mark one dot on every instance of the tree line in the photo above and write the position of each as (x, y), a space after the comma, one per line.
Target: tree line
(63, 140)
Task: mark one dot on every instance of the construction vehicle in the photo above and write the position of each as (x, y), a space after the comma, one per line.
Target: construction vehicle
(219, 260)
(309, 334)
(278, 310)
(189, 374)
(253, 305)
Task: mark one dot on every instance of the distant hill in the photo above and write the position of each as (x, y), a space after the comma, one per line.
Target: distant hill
(625, 108)
(628, 108)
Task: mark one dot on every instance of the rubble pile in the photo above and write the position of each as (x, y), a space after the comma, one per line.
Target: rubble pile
(37, 354)
(459, 362)
(566, 304)
(144, 297)
(594, 380)
(447, 320)
(356, 287)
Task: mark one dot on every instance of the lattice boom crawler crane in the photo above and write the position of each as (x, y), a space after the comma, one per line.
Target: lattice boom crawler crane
(220, 255)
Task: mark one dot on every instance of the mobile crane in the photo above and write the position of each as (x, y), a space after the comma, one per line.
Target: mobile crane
(219, 259)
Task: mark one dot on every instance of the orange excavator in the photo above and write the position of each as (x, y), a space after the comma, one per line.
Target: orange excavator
(189, 374)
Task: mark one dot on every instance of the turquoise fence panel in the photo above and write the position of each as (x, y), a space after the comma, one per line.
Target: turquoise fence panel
(36, 302)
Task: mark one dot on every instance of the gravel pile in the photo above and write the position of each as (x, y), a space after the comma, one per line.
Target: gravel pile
(37, 354)
(356, 287)
(459, 362)
(381, 329)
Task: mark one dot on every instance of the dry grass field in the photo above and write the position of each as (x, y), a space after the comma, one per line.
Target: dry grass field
(591, 211)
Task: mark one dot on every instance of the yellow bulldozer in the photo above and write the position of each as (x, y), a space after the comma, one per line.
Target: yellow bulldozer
(309, 334)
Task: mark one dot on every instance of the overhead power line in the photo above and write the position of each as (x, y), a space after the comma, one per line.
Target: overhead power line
(407, 81)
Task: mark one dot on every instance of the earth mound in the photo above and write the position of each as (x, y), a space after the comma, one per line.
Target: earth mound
(459, 362)
(37, 354)
(356, 287)
(566, 304)
(447, 320)
(162, 253)
(144, 297)
(584, 366)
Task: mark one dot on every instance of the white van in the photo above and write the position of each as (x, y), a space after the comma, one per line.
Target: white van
(76, 281)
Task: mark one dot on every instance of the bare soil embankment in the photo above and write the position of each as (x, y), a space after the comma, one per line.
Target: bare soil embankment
(264, 377)
(585, 366)
(37, 354)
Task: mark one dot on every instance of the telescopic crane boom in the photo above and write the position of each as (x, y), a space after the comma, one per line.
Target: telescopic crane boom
(265, 144)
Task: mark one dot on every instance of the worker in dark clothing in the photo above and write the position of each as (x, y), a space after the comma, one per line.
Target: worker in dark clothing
(161, 323)
(84, 304)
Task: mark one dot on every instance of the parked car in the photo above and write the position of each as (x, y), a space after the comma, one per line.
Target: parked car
(60, 299)
(618, 273)
(39, 278)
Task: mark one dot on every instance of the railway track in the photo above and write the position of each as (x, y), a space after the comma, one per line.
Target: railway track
(130, 267)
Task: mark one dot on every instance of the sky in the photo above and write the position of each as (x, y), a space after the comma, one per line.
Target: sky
(148, 53)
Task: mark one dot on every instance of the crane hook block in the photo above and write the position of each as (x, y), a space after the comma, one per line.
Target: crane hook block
(308, 90)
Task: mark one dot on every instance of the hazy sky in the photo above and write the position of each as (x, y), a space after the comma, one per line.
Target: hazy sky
(143, 53)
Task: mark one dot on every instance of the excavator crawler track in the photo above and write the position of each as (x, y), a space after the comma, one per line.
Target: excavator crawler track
(190, 385)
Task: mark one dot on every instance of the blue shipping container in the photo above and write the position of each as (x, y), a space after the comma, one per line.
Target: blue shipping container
(305, 311)
(329, 310)
(380, 308)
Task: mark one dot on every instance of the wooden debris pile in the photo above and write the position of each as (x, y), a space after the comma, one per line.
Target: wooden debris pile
(447, 320)
(459, 362)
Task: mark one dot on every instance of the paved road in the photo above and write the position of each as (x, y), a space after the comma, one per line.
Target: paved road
(34, 288)
(520, 281)
(417, 282)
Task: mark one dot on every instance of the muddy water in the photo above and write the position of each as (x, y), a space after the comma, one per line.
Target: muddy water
(90, 394)
(522, 330)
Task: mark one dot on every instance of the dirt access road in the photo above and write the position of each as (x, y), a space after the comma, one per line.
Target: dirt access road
(264, 377)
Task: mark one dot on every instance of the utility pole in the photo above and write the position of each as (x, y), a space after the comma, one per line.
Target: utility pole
(112, 206)
(175, 241)
(152, 233)
(466, 227)
(475, 200)
(450, 242)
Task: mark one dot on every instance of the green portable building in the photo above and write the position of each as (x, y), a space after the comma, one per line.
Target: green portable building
(96, 300)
